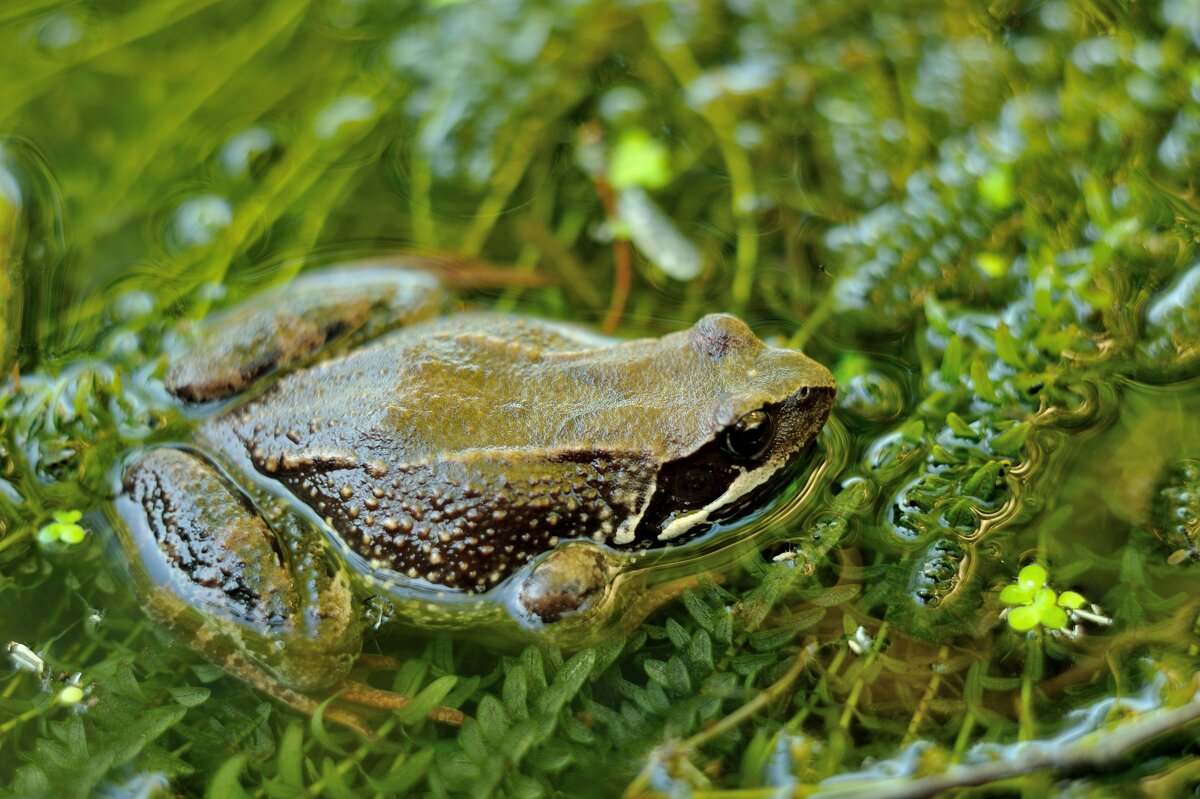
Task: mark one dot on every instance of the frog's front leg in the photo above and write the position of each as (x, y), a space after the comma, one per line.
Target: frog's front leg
(277, 328)
(267, 608)
(569, 581)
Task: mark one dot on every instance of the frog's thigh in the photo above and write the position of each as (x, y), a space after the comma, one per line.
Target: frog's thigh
(216, 574)
(281, 326)
(570, 580)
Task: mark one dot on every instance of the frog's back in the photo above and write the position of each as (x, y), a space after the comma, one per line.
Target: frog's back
(419, 451)
(454, 450)
(488, 381)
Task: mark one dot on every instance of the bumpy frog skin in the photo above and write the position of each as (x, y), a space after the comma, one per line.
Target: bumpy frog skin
(455, 455)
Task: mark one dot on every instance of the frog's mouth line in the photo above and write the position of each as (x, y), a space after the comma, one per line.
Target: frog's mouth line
(743, 493)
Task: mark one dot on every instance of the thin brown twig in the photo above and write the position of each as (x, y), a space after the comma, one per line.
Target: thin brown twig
(591, 136)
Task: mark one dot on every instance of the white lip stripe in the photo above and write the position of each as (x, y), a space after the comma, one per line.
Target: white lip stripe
(746, 482)
(627, 532)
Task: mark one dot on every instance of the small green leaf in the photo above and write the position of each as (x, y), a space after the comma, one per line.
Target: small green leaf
(935, 314)
(700, 610)
(700, 653)
(959, 426)
(941, 455)
(291, 753)
(69, 695)
(996, 189)
(678, 678)
(1071, 599)
(1011, 440)
(493, 720)
(567, 682)
(913, 431)
(992, 264)
(981, 381)
(72, 534)
(639, 160)
(1033, 576)
(404, 775)
(960, 513)
(1014, 594)
(678, 635)
(1023, 618)
(190, 696)
(316, 725)
(952, 361)
(1006, 346)
(516, 693)
(1045, 598)
(1053, 617)
(67, 516)
(426, 700)
(656, 670)
(335, 784)
(225, 782)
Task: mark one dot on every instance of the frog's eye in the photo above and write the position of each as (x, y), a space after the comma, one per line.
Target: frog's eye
(748, 438)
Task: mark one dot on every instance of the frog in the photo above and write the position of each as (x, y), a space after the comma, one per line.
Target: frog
(355, 437)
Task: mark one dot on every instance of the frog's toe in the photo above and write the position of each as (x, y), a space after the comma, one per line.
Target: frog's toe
(369, 696)
(566, 582)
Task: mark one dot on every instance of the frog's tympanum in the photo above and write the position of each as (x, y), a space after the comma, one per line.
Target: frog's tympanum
(460, 457)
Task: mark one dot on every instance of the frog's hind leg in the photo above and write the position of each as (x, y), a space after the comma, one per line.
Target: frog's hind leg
(339, 305)
(368, 696)
(238, 665)
(269, 609)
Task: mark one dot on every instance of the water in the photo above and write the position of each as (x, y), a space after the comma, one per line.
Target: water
(982, 222)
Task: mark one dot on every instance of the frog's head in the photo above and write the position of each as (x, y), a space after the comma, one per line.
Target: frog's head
(753, 409)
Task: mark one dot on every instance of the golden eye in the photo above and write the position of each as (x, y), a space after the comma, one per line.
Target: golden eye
(748, 438)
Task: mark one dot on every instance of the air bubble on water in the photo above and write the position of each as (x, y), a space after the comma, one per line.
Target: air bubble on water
(620, 103)
(747, 76)
(655, 234)
(1058, 16)
(345, 13)
(1033, 52)
(240, 152)
(1177, 150)
(132, 305)
(198, 220)
(10, 188)
(59, 32)
(341, 112)
(211, 292)
(1183, 14)
(893, 130)
(120, 343)
(1102, 51)
(1184, 294)
(749, 135)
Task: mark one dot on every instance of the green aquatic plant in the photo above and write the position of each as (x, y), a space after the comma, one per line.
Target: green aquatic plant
(1036, 604)
(64, 528)
(985, 217)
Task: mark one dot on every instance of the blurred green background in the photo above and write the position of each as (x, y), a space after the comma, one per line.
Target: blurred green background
(983, 217)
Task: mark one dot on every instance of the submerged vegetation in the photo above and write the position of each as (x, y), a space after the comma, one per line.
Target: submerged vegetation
(983, 218)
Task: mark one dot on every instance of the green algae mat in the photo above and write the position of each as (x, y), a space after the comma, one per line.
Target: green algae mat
(982, 217)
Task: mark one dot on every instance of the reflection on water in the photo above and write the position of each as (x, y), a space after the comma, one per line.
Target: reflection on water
(982, 222)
